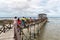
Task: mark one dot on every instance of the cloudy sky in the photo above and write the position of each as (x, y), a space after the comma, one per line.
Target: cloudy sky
(11, 8)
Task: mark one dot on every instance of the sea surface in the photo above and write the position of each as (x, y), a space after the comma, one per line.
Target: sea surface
(51, 31)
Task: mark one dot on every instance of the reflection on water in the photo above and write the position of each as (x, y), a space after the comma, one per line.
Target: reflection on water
(51, 31)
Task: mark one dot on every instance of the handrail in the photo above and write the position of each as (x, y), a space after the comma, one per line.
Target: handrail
(5, 27)
(30, 25)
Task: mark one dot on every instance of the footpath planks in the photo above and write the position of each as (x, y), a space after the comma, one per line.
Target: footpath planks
(8, 35)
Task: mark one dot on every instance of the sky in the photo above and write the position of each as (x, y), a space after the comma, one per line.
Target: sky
(29, 8)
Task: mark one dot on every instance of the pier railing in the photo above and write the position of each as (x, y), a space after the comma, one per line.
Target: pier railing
(5, 27)
(33, 30)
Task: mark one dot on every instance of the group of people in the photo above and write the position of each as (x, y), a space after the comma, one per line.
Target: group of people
(20, 23)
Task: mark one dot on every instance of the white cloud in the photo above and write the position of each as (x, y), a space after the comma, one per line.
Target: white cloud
(29, 7)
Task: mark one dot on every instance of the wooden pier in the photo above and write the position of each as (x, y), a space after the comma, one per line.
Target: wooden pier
(31, 31)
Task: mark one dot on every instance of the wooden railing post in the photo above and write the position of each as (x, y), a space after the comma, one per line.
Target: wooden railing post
(4, 28)
(10, 25)
(38, 28)
(30, 30)
(34, 31)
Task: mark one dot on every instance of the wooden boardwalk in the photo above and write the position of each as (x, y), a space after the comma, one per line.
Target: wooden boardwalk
(8, 35)
(29, 33)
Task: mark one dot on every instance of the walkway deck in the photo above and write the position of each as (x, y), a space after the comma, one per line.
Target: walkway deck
(8, 35)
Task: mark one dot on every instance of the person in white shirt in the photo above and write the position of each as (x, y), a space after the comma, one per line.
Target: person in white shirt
(15, 25)
(17, 35)
(15, 21)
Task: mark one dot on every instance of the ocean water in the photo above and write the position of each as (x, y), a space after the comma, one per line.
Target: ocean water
(51, 31)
